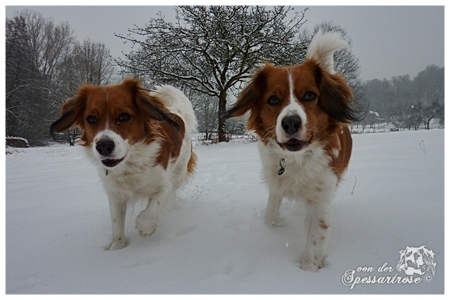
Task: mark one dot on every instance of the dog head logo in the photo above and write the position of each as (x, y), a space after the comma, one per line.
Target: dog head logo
(417, 261)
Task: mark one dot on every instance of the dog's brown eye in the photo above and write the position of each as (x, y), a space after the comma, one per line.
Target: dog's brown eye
(124, 117)
(273, 101)
(91, 120)
(310, 96)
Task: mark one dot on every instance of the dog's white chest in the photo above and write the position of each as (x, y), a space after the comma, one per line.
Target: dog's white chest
(304, 174)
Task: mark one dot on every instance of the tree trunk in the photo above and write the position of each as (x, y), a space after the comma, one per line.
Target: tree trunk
(221, 113)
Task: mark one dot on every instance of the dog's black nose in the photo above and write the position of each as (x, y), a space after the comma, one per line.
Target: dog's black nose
(105, 147)
(291, 124)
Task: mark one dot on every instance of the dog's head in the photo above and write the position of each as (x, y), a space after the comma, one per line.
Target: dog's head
(113, 118)
(297, 105)
(416, 260)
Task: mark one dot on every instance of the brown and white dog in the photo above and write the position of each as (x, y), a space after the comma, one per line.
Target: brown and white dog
(140, 142)
(300, 114)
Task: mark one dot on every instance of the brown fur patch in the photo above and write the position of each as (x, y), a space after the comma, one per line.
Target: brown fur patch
(172, 140)
(327, 115)
(323, 225)
(149, 118)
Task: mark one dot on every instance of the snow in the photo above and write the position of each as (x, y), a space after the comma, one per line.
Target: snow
(17, 138)
(374, 113)
(212, 238)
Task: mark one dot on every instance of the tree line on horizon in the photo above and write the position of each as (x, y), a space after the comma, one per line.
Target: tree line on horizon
(407, 103)
(209, 53)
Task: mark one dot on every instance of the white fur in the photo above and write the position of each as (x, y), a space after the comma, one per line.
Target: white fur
(121, 146)
(322, 48)
(293, 108)
(309, 179)
(307, 175)
(139, 177)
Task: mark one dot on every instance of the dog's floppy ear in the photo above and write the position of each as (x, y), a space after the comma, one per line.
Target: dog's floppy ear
(250, 95)
(336, 97)
(149, 105)
(243, 103)
(71, 112)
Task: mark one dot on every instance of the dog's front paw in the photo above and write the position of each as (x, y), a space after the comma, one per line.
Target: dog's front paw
(118, 244)
(145, 227)
(313, 265)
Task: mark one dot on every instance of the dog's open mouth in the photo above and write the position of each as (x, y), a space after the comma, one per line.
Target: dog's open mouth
(296, 145)
(111, 163)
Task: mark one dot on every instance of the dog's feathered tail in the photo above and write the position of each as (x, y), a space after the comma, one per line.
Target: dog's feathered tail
(177, 103)
(322, 48)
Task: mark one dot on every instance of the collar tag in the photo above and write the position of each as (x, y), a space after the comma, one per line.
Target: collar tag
(282, 166)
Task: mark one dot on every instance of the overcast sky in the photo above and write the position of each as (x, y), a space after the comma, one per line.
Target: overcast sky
(388, 40)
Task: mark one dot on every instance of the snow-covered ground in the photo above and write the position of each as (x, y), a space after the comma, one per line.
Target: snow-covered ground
(212, 238)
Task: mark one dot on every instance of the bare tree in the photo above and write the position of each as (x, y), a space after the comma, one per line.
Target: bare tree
(93, 62)
(44, 65)
(50, 42)
(23, 84)
(206, 112)
(87, 62)
(213, 49)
